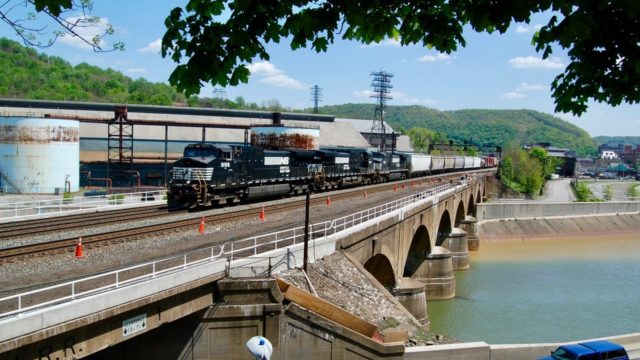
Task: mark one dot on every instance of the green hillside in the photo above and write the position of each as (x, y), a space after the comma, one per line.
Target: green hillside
(29, 75)
(615, 140)
(496, 127)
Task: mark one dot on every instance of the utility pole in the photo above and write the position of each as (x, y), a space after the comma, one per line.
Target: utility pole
(220, 93)
(381, 85)
(316, 97)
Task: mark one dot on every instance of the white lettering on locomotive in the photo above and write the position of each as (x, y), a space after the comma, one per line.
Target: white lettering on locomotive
(276, 161)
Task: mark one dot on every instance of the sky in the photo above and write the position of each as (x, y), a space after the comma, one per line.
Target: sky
(493, 71)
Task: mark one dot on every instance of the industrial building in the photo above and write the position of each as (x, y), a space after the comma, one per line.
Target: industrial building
(134, 145)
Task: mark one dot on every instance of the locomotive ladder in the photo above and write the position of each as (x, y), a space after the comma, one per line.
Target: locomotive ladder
(201, 194)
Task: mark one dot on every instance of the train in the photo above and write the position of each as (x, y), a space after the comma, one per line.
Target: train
(211, 174)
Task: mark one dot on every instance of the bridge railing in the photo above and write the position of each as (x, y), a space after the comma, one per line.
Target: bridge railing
(30, 209)
(231, 250)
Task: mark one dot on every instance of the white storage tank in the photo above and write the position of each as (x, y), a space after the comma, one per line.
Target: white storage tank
(39, 155)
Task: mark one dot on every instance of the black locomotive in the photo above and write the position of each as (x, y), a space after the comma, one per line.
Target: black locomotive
(218, 174)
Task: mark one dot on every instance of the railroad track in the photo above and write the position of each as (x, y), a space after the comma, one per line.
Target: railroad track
(106, 238)
(33, 227)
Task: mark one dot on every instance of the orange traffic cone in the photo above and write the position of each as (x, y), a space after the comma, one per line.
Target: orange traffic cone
(328, 201)
(395, 187)
(79, 253)
(262, 214)
(201, 227)
(365, 194)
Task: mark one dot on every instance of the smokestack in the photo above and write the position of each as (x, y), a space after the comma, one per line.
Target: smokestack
(277, 118)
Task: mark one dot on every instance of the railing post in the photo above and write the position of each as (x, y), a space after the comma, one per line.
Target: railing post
(73, 290)
(184, 266)
(117, 279)
(153, 268)
(19, 302)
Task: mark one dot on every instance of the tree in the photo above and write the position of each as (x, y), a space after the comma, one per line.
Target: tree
(420, 138)
(33, 27)
(605, 65)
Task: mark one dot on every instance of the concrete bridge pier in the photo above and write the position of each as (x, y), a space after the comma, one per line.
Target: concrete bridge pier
(470, 225)
(411, 294)
(456, 242)
(437, 274)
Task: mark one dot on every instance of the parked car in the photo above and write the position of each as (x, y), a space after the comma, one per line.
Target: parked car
(591, 350)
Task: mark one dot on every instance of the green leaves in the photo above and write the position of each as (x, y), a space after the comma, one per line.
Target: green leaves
(601, 37)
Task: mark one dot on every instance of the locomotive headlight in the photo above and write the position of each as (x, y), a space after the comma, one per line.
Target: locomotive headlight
(188, 182)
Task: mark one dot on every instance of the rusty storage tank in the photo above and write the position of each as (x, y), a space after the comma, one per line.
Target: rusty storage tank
(39, 155)
(275, 137)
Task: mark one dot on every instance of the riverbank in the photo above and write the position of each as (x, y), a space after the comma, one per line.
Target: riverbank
(565, 227)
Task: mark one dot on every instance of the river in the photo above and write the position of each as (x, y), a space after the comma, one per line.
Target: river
(544, 291)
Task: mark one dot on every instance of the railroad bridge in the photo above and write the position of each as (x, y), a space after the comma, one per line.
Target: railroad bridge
(208, 307)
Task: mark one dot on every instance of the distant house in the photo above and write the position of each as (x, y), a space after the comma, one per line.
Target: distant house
(608, 154)
(619, 169)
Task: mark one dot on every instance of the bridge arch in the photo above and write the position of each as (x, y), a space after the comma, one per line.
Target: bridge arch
(460, 214)
(471, 206)
(444, 228)
(419, 249)
(380, 267)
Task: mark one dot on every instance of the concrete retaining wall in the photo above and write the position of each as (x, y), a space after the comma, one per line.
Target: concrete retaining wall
(488, 211)
(596, 226)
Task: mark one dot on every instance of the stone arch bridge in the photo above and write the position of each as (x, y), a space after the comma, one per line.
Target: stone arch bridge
(422, 248)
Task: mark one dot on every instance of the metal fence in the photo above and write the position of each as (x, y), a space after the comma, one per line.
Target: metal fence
(30, 209)
(237, 249)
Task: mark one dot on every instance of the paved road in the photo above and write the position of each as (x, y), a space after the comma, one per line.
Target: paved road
(558, 191)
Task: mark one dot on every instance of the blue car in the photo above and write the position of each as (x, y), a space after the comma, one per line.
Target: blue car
(591, 350)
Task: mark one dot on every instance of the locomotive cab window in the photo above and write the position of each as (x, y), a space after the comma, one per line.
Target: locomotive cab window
(226, 155)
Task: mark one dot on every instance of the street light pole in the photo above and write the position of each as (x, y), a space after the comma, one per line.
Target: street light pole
(306, 232)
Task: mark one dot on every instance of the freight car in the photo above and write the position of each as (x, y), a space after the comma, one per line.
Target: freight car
(218, 174)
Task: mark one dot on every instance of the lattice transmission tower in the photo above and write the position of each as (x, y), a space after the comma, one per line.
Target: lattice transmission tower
(381, 84)
(316, 97)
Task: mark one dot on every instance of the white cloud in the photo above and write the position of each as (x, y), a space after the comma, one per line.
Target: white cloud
(531, 87)
(386, 42)
(361, 94)
(513, 95)
(532, 62)
(136, 70)
(524, 29)
(88, 32)
(153, 47)
(269, 74)
(435, 58)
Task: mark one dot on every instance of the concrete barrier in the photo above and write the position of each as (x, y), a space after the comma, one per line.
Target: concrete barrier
(466, 351)
(484, 351)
